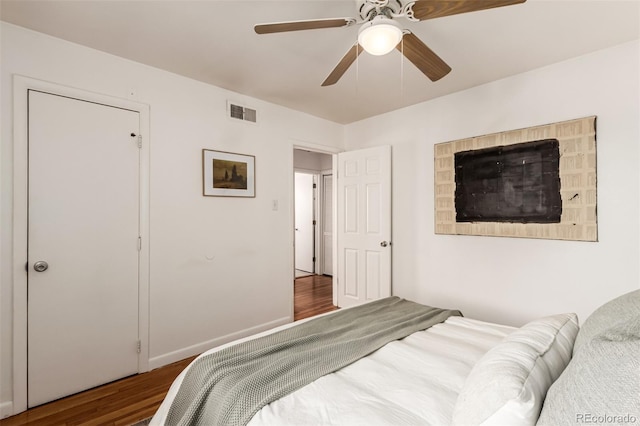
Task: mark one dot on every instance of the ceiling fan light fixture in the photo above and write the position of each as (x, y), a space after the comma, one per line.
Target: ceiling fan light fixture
(379, 36)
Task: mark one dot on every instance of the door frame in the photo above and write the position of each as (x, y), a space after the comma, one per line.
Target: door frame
(323, 149)
(21, 86)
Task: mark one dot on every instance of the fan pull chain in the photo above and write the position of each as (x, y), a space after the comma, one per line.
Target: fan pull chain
(357, 67)
(402, 69)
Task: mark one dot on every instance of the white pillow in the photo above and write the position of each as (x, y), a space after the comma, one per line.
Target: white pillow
(508, 385)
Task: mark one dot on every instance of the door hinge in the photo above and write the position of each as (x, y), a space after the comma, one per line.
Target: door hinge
(139, 243)
(314, 186)
(314, 259)
(314, 222)
(139, 346)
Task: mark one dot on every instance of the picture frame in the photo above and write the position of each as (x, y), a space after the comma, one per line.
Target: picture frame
(228, 174)
(576, 169)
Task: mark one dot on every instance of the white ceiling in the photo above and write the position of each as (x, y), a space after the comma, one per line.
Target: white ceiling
(214, 42)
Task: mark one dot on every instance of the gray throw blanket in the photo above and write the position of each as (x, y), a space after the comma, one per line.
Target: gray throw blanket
(229, 386)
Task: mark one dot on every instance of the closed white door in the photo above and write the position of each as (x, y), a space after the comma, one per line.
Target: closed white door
(304, 228)
(364, 225)
(82, 245)
(327, 225)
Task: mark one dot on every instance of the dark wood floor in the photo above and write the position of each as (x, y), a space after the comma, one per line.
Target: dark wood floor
(312, 296)
(135, 398)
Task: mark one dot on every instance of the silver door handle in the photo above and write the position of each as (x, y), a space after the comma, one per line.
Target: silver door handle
(40, 266)
(384, 244)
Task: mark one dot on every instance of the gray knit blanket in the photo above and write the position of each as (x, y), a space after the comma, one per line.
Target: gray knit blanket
(229, 386)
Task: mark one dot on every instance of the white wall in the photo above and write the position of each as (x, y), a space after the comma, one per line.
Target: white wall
(506, 279)
(193, 300)
(312, 161)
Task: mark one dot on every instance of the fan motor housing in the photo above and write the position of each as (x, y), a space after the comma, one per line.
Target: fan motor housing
(369, 9)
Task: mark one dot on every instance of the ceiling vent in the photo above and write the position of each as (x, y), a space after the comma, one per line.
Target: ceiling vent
(240, 112)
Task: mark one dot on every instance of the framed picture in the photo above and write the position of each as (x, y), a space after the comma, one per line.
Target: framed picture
(225, 174)
(536, 182)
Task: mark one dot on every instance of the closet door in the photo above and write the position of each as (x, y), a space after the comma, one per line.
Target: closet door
(304, 223)
(83, 245)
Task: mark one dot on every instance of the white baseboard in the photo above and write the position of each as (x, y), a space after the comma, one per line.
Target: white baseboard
(168, 358)
(6, 409)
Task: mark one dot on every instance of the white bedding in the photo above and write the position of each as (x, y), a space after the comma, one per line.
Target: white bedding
(415, 380)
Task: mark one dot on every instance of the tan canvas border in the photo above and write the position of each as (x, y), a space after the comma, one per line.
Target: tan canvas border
(577, 142)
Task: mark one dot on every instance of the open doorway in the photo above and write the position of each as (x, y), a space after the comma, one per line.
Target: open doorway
(313, 235)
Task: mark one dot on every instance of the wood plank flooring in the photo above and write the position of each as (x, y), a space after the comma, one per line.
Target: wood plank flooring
(135, 398)
(312, 296)
(123, 402)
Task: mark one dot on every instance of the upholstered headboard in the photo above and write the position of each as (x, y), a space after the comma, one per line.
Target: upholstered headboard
(601, 384)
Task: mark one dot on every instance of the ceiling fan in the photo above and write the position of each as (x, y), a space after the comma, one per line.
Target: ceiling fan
(381, 33)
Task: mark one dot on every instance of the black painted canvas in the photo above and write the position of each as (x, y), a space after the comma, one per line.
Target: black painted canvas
(516, 183)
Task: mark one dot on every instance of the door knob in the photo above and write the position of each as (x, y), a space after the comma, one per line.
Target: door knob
(40, 266)
(384, 244)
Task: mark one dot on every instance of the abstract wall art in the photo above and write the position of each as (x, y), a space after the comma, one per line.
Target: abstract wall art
(538, 182)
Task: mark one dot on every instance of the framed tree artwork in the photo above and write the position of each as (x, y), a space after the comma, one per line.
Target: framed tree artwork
(226, 174)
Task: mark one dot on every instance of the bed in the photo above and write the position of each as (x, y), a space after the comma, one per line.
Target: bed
(457, 371)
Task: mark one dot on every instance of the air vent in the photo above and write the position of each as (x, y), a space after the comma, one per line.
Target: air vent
(250, 115)
(240, 112)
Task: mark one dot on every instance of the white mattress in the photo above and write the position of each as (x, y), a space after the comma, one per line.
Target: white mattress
(415, 380)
